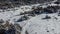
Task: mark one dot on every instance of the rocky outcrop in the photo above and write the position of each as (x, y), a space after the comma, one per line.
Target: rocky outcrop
(10, 28)
(5, 4)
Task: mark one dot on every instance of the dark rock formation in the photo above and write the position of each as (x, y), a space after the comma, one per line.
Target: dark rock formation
(47, 17)
(5, 4)
(18, 27)
(2, 31)
(10, 31)
(1, 21)
(26, 32)
(57, 2)
(22, 18)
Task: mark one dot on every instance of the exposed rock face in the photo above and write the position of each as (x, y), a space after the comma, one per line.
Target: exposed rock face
(2, 31)
(35, 1)
(5, 4)
(9, 28)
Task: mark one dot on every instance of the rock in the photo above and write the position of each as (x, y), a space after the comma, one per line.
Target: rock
(2, 31)
(57, 2)
(26, 32)
(18, 27)
(10, 31)
(47, 11)
(22, 18)
(1, 21)
(47, 17)
(5, 4)
(9, 28)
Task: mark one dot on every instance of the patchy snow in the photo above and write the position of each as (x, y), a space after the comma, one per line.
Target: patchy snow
(34, 25)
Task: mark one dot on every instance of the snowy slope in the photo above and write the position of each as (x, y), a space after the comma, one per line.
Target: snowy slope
(37, 24)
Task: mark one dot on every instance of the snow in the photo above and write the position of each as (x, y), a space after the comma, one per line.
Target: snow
(38, 25)
(34, 25)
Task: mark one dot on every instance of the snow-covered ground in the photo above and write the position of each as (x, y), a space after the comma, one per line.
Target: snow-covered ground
(36, 24)
(48, 26)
